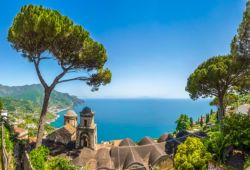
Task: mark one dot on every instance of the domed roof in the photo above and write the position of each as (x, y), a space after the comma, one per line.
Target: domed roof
(87, 111)
(71, 113)
(146, 141)
(127, 142)
(163, 138)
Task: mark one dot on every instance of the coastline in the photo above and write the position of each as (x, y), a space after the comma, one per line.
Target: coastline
(55, 113)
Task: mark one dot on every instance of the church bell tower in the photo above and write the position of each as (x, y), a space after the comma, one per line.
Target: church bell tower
(86, 130)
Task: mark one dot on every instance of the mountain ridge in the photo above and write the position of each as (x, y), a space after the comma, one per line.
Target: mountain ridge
(29, 95)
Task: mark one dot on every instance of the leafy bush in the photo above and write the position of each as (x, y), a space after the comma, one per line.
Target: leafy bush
(183, 122)
(247, 162)
(216, 144)
(60, 163)
(8, 139)
(191, 154)
(237, 127)
(38, 157)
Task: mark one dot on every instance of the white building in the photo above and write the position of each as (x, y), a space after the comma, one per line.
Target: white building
(243, 109)
(4, 113)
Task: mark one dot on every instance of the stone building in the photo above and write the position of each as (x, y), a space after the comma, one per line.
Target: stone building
(86, 130)
(66, 134)
(244, 109)
(127, 154)
(70, 118)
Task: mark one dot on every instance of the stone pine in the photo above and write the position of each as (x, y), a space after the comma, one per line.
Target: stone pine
(217, 77)
(37, 31)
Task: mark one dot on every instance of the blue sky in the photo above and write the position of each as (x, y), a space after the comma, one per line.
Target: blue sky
(152, 45)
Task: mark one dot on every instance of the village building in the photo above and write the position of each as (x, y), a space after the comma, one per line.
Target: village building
(67, 134)
(117, 154)
(4, 114)
(20, 133)
(244, 109)
(86, 130)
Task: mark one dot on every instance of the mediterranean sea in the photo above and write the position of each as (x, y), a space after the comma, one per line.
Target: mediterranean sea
(136, 118)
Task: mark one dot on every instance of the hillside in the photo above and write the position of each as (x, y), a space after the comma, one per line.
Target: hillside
(30, 97)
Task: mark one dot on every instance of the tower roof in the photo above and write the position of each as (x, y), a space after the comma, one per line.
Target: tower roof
(87, 112)
(71, 113)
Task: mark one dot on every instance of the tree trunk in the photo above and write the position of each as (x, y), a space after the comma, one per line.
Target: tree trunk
(221, 108)
(47, 93)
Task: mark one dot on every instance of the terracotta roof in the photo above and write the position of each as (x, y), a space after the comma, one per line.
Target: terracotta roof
(32, 139)
(18, 130)
(70, 128)
(63, 135)
(129, 155)
(127, 142)
(104, 160)
(84, 157)
(164, 137)
(71, 113)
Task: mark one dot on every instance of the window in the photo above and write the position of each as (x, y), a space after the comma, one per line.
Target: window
(85, 122)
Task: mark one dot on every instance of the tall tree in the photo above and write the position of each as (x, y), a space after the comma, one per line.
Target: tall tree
(40, 34)
(183, 122)
(1, 105)
(228, 100)
(240, 45)
(217, 77)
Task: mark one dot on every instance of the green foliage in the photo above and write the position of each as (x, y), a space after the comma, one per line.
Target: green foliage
(235, 131)
(211, 111)
(213, 75)
(229, 99)
(29, 98)
(207, 118)
(38, 157)
(217, 77)
(240, 43)
(247, 162)
(237, 127)
(8, 139)
(49, 128)
(216, 144)
(244, 98)
(191, 154)
(183, 122)
(60, 163)
(156, 168)
(1, 105)
(191, 122)
(201, 121)
(36, 30)
(12, 104)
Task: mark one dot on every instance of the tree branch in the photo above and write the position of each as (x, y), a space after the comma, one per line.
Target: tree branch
(36, 64)
(76, 78)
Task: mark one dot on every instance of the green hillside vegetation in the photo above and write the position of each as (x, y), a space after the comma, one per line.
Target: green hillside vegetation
(29, 98)
(245, 98)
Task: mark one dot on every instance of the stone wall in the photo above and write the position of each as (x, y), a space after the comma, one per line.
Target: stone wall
(4, 152)
(26, 162)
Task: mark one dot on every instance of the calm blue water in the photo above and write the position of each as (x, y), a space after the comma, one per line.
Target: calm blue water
(136, 118)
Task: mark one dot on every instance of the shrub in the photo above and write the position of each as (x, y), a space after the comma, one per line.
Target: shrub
(247, 162)
(216, 144)
(237, 127)
(60, 163)
(183, 122)
(191, 154)
(8, 139)
(38, 157)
